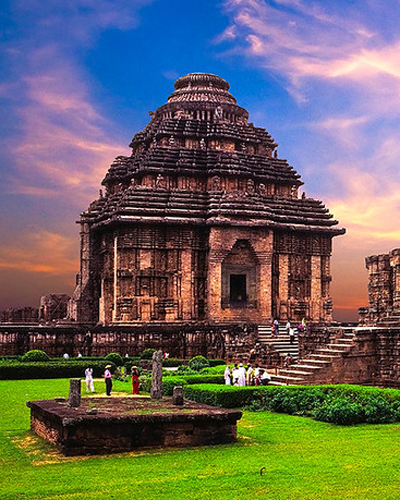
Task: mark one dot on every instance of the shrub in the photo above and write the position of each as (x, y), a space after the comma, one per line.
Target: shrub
(379, 411)
(171, 362)
(35, 355)
(226, 396)
(115, 358)
(340, 411)
(198, 362)
(216, 362)
(50, 369)
(147, 353)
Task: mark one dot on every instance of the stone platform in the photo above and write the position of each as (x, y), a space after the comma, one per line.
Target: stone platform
(120, 424)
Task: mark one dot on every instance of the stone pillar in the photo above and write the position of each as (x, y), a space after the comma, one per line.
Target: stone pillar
(156, 373)
(177, 396)
(74, 398)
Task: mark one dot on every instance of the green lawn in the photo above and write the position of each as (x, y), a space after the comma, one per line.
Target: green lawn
(304, 459)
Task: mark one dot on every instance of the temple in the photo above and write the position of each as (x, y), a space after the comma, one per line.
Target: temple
(203, 223)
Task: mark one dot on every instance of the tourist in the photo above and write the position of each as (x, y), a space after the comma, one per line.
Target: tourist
(265, 377)
(242, 375)
(235, 375)
(288, 326)
(276, 327)
(291, 335)
(135, 380)
(89, 379)
(66, 355)
(227, 375)
(250, 375)
(108, 380)
(288, 360)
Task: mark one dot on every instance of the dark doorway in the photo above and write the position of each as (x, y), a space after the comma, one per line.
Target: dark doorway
(237, 290)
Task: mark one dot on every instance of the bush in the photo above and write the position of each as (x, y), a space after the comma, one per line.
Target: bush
(198, 362)
(216, 362)
(147, 353)
(115, 358)
(379, 411)
(50, 369)
(35, 355)
(226, 396)
(172, 362)
(340, 411)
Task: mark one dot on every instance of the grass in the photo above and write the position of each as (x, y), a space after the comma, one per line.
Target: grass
(303, 459)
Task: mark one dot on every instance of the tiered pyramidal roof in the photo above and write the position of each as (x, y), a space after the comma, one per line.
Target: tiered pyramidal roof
(200, 161)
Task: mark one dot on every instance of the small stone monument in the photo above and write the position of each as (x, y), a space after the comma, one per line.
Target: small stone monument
(177, 396)
(74, 398)
(156, 373)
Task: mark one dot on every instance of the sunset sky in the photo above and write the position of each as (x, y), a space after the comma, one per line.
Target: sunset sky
(78, 78)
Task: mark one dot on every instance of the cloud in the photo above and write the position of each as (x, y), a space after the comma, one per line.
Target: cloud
(42, 252)
(60, 143)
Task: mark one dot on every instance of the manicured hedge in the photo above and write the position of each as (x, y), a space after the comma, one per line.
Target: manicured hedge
(50, 369)
(338, 404)
(226, 396)
(169, 382)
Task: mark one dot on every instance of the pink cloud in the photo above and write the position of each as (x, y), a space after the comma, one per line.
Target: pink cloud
(42, 252)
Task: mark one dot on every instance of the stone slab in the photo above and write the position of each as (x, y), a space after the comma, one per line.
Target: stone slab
(122, 424)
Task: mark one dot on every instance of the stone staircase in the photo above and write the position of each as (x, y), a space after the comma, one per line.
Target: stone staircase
(318, 367)
(280, 343)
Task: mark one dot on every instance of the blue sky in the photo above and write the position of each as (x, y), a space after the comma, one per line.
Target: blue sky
(78, 78)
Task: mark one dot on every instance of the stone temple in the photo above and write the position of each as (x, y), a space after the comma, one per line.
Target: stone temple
(203, 223)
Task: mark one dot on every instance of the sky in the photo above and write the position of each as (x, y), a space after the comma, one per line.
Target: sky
(78, 79)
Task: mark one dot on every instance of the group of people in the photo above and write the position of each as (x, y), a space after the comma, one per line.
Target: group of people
(108, 379)
(289, 329)
(241, 376)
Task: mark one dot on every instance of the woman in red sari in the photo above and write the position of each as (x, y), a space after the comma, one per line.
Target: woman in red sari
(135, 380)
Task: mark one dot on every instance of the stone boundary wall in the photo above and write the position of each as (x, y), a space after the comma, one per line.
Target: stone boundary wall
(231, 343)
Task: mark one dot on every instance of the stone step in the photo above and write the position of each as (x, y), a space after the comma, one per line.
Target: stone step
(331, 350)
(311, 367)
(295, 371)
(286, 379)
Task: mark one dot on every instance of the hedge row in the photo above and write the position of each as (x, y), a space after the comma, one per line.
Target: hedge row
(168, 383)
(338, 404)
(49, 369)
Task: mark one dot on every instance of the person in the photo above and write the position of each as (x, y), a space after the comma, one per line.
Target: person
(242, 375)
(291, 335)
(135, 380)
(265, 377)
(66, 355)
(276, 327)
(89, 379)
(79, 355)
(108, 380)
(249, 375)
(235, 375)
(256, 374)
(227, 375)
(288, 326)
(288, 360)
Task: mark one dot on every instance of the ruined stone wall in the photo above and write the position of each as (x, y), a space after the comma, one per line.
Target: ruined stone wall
(232, 343)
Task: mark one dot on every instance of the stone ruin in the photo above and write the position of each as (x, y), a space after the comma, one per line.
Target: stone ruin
(383, 290)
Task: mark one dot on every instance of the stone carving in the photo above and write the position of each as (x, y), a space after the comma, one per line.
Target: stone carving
(156, 375)
(74, 398)
(218, 112)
